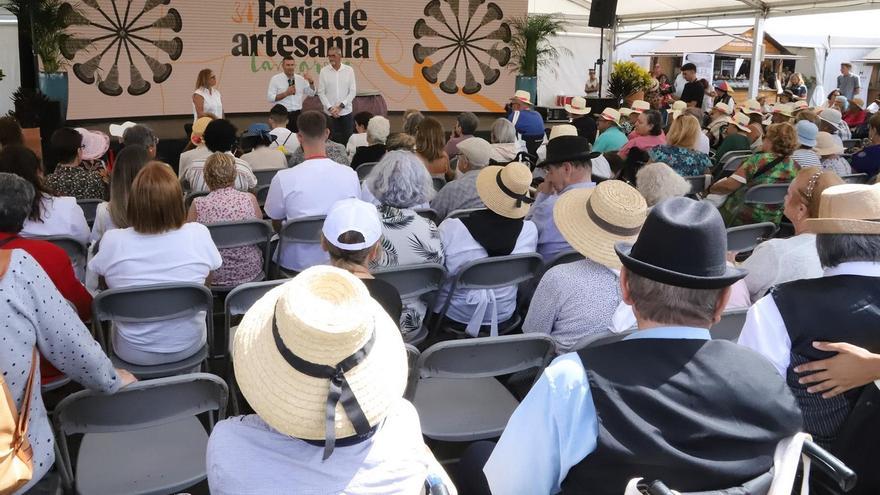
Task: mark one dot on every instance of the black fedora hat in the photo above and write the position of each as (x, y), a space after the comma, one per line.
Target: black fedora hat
(682, 243)
(567, 149)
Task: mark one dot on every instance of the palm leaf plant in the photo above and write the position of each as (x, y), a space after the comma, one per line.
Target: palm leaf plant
(530, 44)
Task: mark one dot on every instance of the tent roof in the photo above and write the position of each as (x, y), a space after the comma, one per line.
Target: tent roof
(871, 58)
(712, 41)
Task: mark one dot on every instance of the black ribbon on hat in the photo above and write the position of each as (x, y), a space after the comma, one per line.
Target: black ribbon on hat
(340, 391)
(608, 226)
(520, 198)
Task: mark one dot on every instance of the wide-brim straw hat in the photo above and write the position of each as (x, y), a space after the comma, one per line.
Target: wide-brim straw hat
(324, 315)
(578, 106)
(522, 96)
(740, 120)
(95, 143)
(827, 144)
(593, 220)
(858, 102)
(752, 107)
(848, 209)
(198, 129)
(611, 115)
(831, 115)
(640, 106)
(505, 189)
(799, 105)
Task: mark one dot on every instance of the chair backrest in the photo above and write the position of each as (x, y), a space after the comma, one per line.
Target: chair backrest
(305, 230)
(483, 357)
(142, 404)
(498, 271)
(698, 183)
(463, 213)
(438, 182)
(89, 208)
(733, 153)
(264, 177)
(733, 163)
(746, 237)
(76, 251)
(241, 233)
(151, 303)
(241, 298)
(413, 280)
(412, 360)
(767, 194)
(428, 213)
(190, 196)
(855, 178)
(261, 193)
(364, 169)
(851, 143)
(730, 325)
(567, 256)
(602, 339)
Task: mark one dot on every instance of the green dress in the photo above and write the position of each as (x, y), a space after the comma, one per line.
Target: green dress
(735, 212)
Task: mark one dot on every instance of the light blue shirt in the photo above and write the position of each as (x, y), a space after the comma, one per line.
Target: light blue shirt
(611, 139)
(550, 240)
(556, 425)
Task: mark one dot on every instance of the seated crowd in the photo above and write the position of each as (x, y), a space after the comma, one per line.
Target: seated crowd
(623, 214)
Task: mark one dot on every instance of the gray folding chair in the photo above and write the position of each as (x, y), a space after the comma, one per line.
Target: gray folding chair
(190, 196)
(463, 213)
(855, 178)
(851, 143)
(733, 163)
(458, 397)
(413, 281)
(239, 234)
(492, 273)
(364, 169)
(144, 439)
(76, 251)
(698, 183)
(261, 193)
(730, 325)
(238, 302)
(89, 208)
(429, 214)
(438, 182)
(766, 194)
(745, 237)
(304, 230)
(264, 177)
(154, 303)
(412, 360)
(731, 154)
(602, 339)
(567, 256)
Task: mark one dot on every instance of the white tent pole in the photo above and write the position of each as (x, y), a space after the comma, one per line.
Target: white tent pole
(757, 55)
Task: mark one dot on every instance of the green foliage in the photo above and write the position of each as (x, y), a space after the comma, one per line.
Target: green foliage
(49, 28)
(530, 42)
(627, 78)
(31, 107)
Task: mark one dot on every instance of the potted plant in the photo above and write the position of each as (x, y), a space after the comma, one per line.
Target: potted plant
(531, 48)
(37, 115)
(628, 82)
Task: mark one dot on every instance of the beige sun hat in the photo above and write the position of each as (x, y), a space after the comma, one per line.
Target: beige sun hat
(505, 190)
(522, 96)
(752, 107)
(740, 120)
(593, 220)
(798, 106)
(848, 209)
(626, 112)
(827, 144)
(578, 106)
(478, 151)
(562, 130)
(611, 115)
(640, 106)
(678, 105)
(722, 107)
(786, 109)
(324, 318)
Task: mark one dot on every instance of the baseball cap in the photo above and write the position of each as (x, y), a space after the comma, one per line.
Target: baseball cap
(352, 214)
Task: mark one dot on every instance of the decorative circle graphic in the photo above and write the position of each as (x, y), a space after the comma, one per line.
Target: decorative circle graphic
(114, 35)
(473, 46)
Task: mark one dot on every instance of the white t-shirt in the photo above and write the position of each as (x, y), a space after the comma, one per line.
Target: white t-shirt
(195, 176)
(212, 103)
(285, 138)
(309, 189)
(354, 142)
(703, 143)
(60, 216)
(265, 158)
(130, 259)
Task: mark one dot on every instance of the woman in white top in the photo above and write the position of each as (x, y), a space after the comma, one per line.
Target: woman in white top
(111, 214)
(158, 248)
(206, 99)
(50, 215)
(359, 138)
(783, 260)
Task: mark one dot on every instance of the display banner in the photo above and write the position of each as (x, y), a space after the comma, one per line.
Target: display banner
(140, 57)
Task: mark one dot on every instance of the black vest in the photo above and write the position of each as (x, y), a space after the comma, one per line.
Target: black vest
(843, 308)
(697, 414)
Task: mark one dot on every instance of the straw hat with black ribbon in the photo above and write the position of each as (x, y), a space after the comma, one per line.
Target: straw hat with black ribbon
(593, 220)
(318, 359)
(848, 209)
(506, 189)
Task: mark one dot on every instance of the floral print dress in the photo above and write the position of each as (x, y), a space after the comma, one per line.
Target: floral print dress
(736, 212)
(685, 161)
(408, 239)
(240, 264)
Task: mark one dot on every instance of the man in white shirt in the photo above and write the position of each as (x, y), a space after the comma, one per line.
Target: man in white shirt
(309, 189)
(290, 89)
(337, 89)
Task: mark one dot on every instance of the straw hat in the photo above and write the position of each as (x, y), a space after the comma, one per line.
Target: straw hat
(626, 112)
(798, 106)
(740, 120)
(522, 97)
(611, 115)
(562, 130)
(786, 109)
(95, 143)
(827, 145)
(678, 105)
(578, 106)
(505, 190)
(323, 316)
(198, 130)
(640, 106)
(721, 107)
(593, 220)
(752, 107)
(860, 103)
(848, 209)
(118, 130)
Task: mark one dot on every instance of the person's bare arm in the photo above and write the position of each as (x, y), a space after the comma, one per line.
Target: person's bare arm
(725, 186)
(199, 102)
(852, 367)
(191, 213)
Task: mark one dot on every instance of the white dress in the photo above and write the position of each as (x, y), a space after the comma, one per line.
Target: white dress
(212, 103)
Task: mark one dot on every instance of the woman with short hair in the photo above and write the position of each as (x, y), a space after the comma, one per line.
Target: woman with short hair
(430, 141)
(70, 178)
(774, 164)
(658, 181)
(50, 214)
(378, 129)
(225, 204)
(206, 99)
(648, 132)
(411, 121)
(503, 139)
(159, 247)
(680, 151)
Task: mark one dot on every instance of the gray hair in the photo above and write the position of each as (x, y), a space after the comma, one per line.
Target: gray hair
(835, 249)
(671, 305)
(468, 122)
(16, 198)
(378, 129)
(139, 134)
(503, 131)
(412, 123)
(401, 180)
(658, 181)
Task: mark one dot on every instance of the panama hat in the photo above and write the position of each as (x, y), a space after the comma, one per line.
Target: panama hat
(95, 143)
(858, 102)
(522, 97)
(626, 112)
(786, 109)
(683, 243)
(740, 120)
(848, 209)
(118, 130)
(678, 105)
(752, 107)
(832, 116)
(799, 105)
(593, 220)
(721, 107)
(505, 189)
(578, 106)
(321, 331)
(562, 130)
(826, 145)
(198, 130)
(611, 115)
(640, 106)
(568, 149)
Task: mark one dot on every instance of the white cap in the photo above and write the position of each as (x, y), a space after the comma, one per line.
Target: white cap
(118, 130)
(478, 151)
(352, 214)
